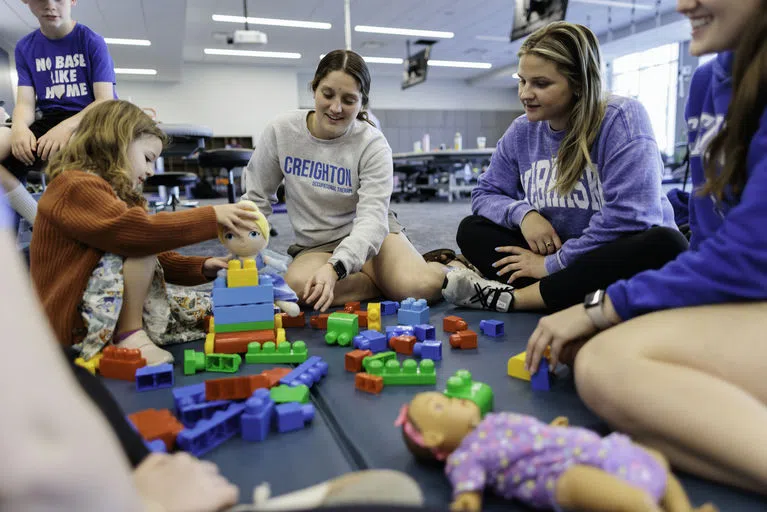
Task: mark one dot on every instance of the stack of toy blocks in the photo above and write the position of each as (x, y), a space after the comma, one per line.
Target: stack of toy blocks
(120, 363)
(383, 369)
(427, 346)
(355, 308)
(538, 381)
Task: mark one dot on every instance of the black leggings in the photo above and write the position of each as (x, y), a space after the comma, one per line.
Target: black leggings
(478, 237)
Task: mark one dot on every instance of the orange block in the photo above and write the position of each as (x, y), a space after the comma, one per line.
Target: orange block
(293, 321)
(353, 360)
(237, 342)
(234, 388)
(352, 307)
(362, 317)
(275, 374)
(454, 324)
(121, 363)
(206, 323)
(157, 424)
(464, 340)
(319, 321)
(369, 383)
(403, 344)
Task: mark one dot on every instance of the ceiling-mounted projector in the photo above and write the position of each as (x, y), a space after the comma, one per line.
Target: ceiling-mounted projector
(248, 37)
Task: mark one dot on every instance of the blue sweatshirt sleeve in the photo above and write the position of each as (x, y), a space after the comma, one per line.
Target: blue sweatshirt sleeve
(499, 195)
(729, 266)
(631, 184)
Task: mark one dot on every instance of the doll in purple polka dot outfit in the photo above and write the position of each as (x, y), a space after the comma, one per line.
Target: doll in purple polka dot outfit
(548, 466)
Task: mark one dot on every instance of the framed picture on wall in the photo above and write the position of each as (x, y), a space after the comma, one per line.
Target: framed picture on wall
(530, 15)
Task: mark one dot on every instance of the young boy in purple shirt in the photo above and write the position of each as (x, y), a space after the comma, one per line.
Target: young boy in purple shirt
(64, 67)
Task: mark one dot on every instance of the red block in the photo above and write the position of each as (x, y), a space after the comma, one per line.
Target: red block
(369, 383)
(353, 360)
(403, 344)
(319, 321)
(234, 388)
(464, 340)
(121, 363)
(275, 374)
(352, 307)
(157, 424)
(237, 342)
(454, 324)
(362, 317)
(206, 323)
(293, 321)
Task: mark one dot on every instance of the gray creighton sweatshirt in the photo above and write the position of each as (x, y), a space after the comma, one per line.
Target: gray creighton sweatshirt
(337, 188)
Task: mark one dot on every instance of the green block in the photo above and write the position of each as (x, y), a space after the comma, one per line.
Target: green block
(244, 326)
(342, 328)
(225, 363)
(282, 394)
(381, 356)
(410, 373)
(460, 385)
(284, 352)
(193, 362)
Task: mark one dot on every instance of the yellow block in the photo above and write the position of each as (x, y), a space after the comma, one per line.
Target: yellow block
(374, 316)
(281, 335)
(91, 365)
(516, 367)
(210, 341)
(278, 321)
(238, 275)
(212, 325)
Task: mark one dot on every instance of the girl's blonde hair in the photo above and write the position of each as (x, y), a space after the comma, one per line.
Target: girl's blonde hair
(575, 51)
(100, 145)
(261, 222)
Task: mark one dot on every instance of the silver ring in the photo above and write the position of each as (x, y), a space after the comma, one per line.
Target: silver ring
(549, 244)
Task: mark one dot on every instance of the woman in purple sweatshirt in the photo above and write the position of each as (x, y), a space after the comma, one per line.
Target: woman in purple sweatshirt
(680, 364)
(572, 199)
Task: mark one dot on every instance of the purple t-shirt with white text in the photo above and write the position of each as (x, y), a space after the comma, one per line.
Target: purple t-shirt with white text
(63, 71)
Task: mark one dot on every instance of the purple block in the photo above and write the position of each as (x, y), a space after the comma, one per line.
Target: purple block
(156, 446)
(430, 349)
(306, 373)
(293, 416)
(389, 307)
(257, 417)
(491, 327)
(154, 377)
(210, 433)
(539, 381)
(425, 332)
(371, 340)
(399, 330)
(191, 405)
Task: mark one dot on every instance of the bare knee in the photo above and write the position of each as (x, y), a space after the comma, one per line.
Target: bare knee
(140, 265)
(424, 286)
(597, 372)
(296, 279)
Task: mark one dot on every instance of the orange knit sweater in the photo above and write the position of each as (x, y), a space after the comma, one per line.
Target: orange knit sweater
(79, 218)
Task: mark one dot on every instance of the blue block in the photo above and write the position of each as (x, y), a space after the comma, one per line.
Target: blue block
(238, 314)
(389, 307)
(399, 330)
(262, 294)
(192, 407)
(371, 340)
(154, 377)
(425, 332)
(208, 434)
(156, 446)
(413, 312)
(307, 373)
(257, 417)
(429, 349)
(539, 381)
(491, 327)
(293, 416)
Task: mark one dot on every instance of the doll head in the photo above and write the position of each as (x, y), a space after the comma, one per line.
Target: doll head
(433, 424)
(246, 243)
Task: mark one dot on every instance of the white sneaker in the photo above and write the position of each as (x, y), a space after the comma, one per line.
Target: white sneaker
(466, 288)
(153, 354)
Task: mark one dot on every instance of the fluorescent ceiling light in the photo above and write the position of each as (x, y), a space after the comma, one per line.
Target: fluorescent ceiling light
(613, 3)
(459, 64)
(135, 71)
(378, 60)
(272, 22)
(252, 53)
(499, 39)
(403, 32)
(128, 42)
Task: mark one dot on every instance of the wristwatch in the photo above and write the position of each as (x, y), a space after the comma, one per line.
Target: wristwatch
(340, 269)
(593, 303)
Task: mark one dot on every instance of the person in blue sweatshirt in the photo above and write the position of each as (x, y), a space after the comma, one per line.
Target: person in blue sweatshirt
(679, 363)
(572, 199)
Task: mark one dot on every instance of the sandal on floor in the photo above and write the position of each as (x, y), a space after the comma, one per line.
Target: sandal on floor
(443, 256)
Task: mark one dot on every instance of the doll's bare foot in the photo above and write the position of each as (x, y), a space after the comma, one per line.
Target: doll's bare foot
(291, 308)
(153, 354)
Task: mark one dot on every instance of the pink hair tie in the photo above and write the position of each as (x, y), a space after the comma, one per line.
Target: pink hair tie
(414, 435)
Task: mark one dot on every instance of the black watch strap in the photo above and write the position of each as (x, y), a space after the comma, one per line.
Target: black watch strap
(340, 269)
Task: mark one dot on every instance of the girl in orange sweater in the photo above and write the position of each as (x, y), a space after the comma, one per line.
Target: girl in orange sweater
(100, 262)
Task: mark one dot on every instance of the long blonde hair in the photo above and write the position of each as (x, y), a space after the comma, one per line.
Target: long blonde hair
(100, 145)
(574, 49)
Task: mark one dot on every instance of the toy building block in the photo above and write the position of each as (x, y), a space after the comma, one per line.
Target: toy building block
(491, 327)
(362, 319)
(464, 340)
(461, 385)
(156, 446)
(352, 307)
(121, 363)
(277, 321)
(210, 433)
(399, 330)
(191, 405)
(402, 344)
(240, 275)
(539, 381)
(207, 324)
(409, 373)
(237, 342)
(154, 377)
(224, 363)
(210, 343)
(226, 315)
(262, 294)
(413, 312)
(283, 394)
(371, 340)
(454, 323)
(307, 373)
(293, 321)
(274, 375)
(319, 321)
(247, 326)
(425, 332)
(342, 328)
(256, 419)
(383, 357)
(234, 388)
(91, 364)
(281, 337)
(154, 424)
(516, 367)
(292, 416)
(353, 360)
(430, 349)
(277, 353)
(374, 316)
(389, 307)
(373, 384)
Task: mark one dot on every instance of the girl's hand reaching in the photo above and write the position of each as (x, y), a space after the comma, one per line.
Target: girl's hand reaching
(233, 216)
(211, 266)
